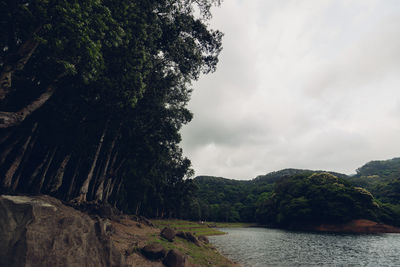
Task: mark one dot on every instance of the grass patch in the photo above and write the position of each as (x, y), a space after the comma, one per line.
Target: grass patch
(233, 225)
(188, 226)
(207, 228)
(204, 255)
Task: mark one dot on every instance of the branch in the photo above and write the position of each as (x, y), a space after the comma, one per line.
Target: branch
(10, 119)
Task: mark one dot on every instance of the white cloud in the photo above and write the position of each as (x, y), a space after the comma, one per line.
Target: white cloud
(305, 84)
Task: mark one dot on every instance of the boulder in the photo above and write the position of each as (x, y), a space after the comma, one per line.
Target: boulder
(175, 258)
(154, 251)
(192, 238)
(41, 231)
(168, 234)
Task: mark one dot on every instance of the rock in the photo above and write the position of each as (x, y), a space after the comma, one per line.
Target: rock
(41, 231)
(168, 234)
(103, 210)
(204, 239)
(175, 258)
(146, 221)
(192, 238)
(181, 234)
(154, 251)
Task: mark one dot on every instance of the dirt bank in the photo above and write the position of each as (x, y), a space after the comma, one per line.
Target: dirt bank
(358, 226)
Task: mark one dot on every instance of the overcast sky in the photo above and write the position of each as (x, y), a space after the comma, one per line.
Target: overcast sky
(309, 84)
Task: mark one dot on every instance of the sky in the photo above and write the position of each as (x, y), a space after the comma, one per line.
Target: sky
(310, 84)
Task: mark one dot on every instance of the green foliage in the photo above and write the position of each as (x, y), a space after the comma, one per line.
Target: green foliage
(319, 198)
(120, 74)
(293, 198)
(381, 178)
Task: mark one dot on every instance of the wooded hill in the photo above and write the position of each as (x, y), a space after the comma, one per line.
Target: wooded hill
(303, 196)
(93, 95)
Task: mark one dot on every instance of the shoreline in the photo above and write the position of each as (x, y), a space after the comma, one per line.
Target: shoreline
(360, 226)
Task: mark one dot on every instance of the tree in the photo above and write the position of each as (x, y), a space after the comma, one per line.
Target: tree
(93, 96)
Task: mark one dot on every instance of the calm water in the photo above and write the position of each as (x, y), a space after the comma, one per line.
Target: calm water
(252, 247)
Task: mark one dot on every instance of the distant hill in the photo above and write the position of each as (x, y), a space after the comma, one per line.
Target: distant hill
(385, 169)
(381, 178)
(223, 199)
(272, 177)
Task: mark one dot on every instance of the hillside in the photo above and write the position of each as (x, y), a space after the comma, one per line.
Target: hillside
(223, 199)
(381, 178)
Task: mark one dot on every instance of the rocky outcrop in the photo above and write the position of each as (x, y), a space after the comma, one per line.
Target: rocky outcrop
(168, 234)
(41, 231)
(189, 237)
(175, 258)
(154, 251)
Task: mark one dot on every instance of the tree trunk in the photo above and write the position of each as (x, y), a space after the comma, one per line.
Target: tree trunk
(94, 184)
(25, 159)
(100, 190)
(46, 169)
(58, 179)
(38, 169)
(137, 208)
(8, 149)
(10, 119)
(85, 187)
(14, 166)
(71, 185)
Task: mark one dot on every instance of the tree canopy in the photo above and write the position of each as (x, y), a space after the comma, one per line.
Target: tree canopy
(93, 95)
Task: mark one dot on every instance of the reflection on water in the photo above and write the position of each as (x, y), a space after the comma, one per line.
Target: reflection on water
(255, 247)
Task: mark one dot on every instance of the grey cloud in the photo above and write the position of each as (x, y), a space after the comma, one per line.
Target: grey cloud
(303, 84)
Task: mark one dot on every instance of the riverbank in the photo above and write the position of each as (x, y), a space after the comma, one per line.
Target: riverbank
(43, 231)
(129, 236)
(361, 226)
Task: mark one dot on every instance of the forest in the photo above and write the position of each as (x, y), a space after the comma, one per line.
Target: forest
(93, 95)
(303, 196)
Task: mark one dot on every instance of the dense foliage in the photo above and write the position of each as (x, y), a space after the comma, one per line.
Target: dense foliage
(221, 199)
(93, 95)
(315, 199)
(381, 178)
(290, 198)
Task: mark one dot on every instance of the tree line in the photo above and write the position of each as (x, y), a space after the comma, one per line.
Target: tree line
(93, 95)
(305, 197)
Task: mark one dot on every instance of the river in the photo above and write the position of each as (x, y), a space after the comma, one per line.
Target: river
(255, 247)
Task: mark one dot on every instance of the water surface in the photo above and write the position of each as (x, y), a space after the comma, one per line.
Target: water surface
(253, 247)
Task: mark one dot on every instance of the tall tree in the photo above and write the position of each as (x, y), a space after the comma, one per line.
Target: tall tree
(93, 95)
